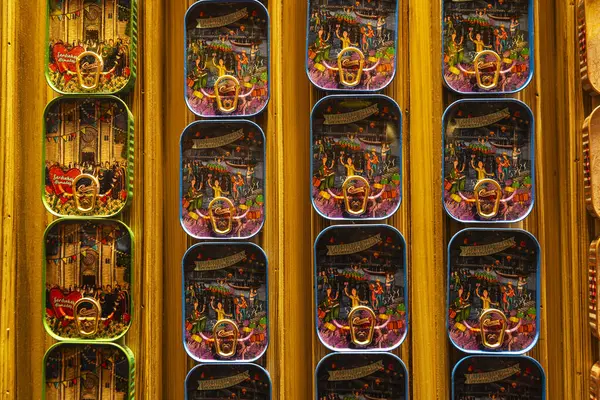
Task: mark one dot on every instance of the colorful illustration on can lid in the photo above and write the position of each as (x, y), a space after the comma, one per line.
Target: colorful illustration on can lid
(227, 58)
(356, 157)
(225, 306)
(361, 376)
(487, 46)
(360, 287)
(228, 381)
(352, 45)
(222, 179)
(488, 161)
(493, 290)
(88, 276)
(88, 156)
(88, 371)
(92, 46)
(485, 378)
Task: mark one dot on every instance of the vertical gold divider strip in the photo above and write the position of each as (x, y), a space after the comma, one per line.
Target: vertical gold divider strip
(430, 368)
(145, 337)
(279, 168)
(176, 242)
(24, 97)
(399, 90)
(291, 91)
(8, 251)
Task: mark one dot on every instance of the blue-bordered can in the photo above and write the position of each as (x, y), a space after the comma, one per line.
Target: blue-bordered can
(488, 173)
(223, 381)
(356, 157)
(351, 46)
(92, 46)
(493, 291)
(371, 375)
(487, 49)
(225, 302)
(498, 377)
(227, 62)
(361, 288)
(222, 179)
(88, 156)
(88, 276)
(88, 371)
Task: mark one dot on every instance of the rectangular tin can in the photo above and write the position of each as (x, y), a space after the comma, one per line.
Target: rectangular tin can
(361, 288)
(591, 167)
(487, 46)
(88, 371)
(488, 173)
(595, 382)
(227, 59)
(351, 45)
(493, 291)
(88, 156)
(504, 377)
(372, 375)
(356, 157)
(222, 179)
(225, 302)
(92, 46)
(588, 12)
(88, 279)
(228, 381)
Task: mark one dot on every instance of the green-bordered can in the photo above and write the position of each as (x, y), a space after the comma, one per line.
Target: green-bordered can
(88, 279)
(91, 46)
(88, 156)
(88, 371)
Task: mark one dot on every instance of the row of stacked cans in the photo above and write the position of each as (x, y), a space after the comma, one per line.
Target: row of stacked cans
(589, 52)
(360, 274)
(488, 175)
(87, 179)
(225, 298)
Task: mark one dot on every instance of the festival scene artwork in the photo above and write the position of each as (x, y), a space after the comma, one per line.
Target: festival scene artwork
(228, 381)
(487, 45)
(488, 164)
(88, 277)
(92, 45)
(356, 157)
(88, 156)
(498, 378)
(351, 45)
(363, 376)
(222, 179)
(360, 286)
(225, 302)
(493, 299)
(227, 58)
(88, 372)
